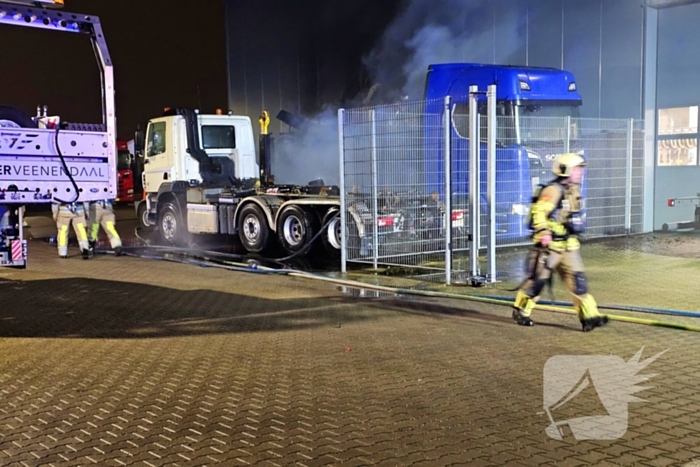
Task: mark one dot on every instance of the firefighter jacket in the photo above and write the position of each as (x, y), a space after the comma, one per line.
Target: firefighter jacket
(557, 211)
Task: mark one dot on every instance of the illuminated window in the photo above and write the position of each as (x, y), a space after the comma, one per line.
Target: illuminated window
(678, 121)
(678, 136)
(678, 151)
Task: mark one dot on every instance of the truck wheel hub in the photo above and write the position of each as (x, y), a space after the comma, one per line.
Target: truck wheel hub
(251, 228)
(293, 231)
(333, 232)
(169, 226)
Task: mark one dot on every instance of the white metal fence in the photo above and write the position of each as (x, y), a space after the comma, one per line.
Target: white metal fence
(398, 162)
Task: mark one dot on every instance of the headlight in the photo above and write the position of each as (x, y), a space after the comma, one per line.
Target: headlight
(520, 209)
(572, 87)
(524, 86)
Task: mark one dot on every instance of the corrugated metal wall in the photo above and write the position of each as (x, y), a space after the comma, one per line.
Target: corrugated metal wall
(600, 41)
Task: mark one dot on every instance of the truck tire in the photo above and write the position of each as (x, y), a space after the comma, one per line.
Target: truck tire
(13, 118)
(253, 229)
(331, 237)
(171, 226)
(142, 214)
(296, 227)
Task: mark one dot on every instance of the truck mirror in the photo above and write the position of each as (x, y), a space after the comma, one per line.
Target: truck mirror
(139, 139)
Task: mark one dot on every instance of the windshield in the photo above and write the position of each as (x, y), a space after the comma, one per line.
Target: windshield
(543, 122)
(124, 160)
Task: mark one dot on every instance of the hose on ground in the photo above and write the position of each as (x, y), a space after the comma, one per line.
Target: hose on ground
(243, 267)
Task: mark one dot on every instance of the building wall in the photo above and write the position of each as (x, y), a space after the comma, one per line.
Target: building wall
(600, 41)
(308, 68)
(677, 80)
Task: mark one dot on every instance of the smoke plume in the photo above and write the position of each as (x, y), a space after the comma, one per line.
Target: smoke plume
(424, 32)
(310, 152)
(442, 31)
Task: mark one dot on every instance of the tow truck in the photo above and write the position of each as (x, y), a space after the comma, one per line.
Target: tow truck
(201, 177)
(44, 159)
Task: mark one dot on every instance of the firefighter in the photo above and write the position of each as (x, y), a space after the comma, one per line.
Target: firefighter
(555, 219)
(66, 214)
(101, 213)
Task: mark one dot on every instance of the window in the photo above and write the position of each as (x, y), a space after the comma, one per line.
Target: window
(218, 137)
(123, 160)
(156, 139)
(505, 127)
(678, 136)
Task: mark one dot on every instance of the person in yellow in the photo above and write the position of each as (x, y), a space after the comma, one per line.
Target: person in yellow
(102, 213)
(66, 214)
(555, 218)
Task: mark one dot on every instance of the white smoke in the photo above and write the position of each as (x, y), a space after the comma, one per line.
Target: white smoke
(443, 31)
(309, 153)
(425, 32)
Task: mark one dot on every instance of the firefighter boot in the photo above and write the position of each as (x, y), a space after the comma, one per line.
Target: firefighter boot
(589, 316)
(522, 308)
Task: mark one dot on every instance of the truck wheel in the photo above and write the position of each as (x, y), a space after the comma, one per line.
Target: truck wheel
(253, 229)
(13, 118)
(142, 214)
(296, 227)
(170, 224)
(331, 237)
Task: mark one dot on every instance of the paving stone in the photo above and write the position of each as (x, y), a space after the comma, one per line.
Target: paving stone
(123, 361)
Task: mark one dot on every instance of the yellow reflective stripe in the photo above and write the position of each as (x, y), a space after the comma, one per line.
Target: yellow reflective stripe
(95, 230)
(82, 234)
(110, 228)
(63, 236)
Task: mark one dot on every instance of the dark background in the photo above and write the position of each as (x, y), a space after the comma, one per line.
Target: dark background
(174, 53)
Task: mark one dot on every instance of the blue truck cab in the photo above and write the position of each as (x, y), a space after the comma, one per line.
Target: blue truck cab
(526, 146)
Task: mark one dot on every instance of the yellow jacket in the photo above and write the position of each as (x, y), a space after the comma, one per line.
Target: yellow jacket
(550, 212)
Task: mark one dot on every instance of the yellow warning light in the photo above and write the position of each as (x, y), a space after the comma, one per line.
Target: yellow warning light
(219, 112)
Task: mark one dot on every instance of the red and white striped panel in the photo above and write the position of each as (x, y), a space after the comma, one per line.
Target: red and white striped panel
(17, 250)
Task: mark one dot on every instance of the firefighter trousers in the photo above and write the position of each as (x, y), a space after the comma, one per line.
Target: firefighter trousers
(101, 216)
(540, 266)
(64, 217)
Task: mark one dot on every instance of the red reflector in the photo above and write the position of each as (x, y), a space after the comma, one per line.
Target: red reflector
(457, 215)
(671, 202)
(385, 221)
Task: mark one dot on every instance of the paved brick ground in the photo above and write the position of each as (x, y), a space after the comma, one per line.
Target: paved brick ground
(123, 361)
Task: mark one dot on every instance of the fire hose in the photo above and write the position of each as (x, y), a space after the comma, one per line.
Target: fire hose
(219, 260)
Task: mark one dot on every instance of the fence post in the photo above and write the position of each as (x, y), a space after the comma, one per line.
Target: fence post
(628, 186)
(343, 208)
(448, 190)
(474, 150)
(567, 144)
(491, 182)
(375, 233)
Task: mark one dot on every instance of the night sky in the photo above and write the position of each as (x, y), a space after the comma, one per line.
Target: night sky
(173, 53)
(163, 52)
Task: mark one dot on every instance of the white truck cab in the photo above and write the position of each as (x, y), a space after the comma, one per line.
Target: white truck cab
(166, 157)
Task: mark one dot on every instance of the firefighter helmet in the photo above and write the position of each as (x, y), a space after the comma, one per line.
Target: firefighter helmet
(564, 164)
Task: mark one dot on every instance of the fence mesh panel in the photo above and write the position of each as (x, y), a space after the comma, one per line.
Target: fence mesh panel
(395, 161)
